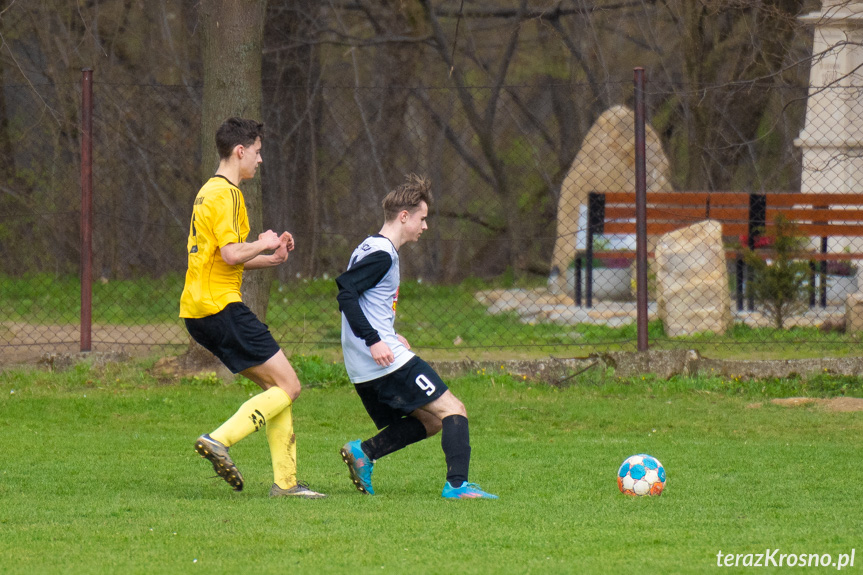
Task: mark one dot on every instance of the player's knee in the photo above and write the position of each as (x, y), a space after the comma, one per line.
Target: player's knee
(295, 391)
(458, 408)
(433, 426)
(292, 388)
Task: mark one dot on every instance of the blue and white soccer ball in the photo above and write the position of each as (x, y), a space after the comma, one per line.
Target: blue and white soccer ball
(641, 474)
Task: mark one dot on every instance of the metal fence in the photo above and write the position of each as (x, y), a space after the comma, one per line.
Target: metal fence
(510, 258)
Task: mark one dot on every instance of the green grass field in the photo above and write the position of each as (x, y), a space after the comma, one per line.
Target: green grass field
(98, 475)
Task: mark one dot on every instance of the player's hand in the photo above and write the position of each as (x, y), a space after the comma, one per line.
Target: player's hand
(270, 240)
(404, 341)
(286, 244)
(280, 255)
(382, 354)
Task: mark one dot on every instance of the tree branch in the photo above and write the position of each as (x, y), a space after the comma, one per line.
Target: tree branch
(504, 66)
(351, 41)
(471, 218)
(551, 13)
(452, 138)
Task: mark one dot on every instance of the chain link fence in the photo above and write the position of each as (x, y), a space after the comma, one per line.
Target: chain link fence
(515, 260)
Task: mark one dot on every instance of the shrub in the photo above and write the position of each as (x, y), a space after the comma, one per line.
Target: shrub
(778, 282)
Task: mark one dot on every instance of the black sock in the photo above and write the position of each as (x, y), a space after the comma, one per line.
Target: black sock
(400, 434)
(455, 442)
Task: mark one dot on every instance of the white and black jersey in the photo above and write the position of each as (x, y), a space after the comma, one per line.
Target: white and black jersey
(368, 293)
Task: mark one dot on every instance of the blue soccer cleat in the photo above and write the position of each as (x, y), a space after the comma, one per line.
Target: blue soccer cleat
(466, 491)
(359, 466)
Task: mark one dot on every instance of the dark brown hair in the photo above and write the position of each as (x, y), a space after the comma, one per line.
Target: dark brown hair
(237, 132)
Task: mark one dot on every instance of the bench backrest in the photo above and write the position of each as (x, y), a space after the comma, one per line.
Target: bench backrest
(818, 214)
(741, 213)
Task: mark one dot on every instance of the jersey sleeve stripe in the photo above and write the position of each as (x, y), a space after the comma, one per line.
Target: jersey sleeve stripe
(236, 199)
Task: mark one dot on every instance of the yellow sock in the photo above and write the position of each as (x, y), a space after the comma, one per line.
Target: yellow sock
(283, 448)
(252, 415)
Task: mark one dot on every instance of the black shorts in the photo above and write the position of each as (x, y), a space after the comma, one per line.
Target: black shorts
(235, 335)
(391, 397)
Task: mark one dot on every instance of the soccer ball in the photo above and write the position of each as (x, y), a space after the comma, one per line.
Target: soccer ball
(641, 474)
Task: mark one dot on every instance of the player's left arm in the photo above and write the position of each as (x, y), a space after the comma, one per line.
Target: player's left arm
(363, 275)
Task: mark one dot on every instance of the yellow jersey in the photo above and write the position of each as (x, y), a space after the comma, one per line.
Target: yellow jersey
(218, 218)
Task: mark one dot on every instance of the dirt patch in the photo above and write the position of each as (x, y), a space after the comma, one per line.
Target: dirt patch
(844, 404)
(22, 343)
(188, 365)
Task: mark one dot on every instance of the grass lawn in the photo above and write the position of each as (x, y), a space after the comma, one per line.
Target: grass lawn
(98, 475)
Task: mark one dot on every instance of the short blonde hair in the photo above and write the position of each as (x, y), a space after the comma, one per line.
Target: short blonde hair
(407, 196)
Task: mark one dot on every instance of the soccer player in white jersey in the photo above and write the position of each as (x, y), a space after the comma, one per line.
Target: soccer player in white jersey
(403, 395)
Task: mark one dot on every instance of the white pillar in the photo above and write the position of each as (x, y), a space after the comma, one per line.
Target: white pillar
(832, 138)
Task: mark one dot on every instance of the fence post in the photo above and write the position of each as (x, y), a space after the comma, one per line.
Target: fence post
(595, 226)
(86, 208)
(577, 280)
(757, 224)
(640, 214)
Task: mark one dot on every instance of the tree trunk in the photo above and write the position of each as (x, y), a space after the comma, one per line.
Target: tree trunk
(232, 38)
(7, 170)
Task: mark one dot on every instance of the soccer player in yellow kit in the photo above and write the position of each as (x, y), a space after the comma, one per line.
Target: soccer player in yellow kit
(216, 317)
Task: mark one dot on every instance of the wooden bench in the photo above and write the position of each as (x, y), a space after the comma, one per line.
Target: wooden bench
(742, 214)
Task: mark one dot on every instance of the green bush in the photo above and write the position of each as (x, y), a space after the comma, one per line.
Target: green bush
(779, 282)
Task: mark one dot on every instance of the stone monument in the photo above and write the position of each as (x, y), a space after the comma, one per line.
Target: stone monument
(605, 163)
(692, 280)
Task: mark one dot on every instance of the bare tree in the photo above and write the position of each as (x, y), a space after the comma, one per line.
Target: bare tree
(483, 121)
(292, 112)
(724, 70)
